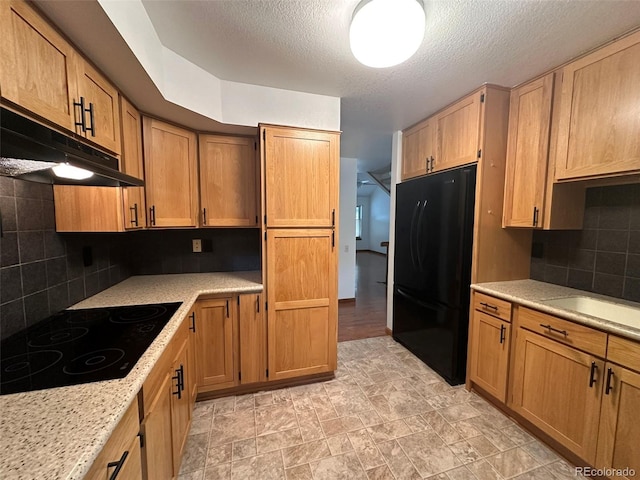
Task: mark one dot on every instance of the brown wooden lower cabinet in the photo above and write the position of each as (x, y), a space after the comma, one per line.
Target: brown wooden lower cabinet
(619, 436)
(554, 388)
(122, 450)
(491, 340)
(252, 331)
(180, 403)
(156, 431)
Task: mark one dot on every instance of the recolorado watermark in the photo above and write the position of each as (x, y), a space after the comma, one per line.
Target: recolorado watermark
(605, 472)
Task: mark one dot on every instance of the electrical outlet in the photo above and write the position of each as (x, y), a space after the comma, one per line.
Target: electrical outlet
(197, 245)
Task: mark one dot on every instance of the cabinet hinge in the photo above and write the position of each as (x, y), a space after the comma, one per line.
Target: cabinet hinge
(482, 98)
(239, 376)
(479, 153)
(267, 373)
(141, 440)
(264, 134)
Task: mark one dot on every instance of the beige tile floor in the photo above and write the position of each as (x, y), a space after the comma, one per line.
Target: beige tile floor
(385, 416)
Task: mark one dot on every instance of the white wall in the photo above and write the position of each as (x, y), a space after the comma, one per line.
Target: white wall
(396, 156)
(366, 216)
(379, 220)
(347, 224)
(189, 86)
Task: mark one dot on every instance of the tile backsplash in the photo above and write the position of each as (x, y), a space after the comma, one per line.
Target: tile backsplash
(42, 272)
(603, 257)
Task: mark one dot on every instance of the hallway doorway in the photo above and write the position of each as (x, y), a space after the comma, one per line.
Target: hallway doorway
(367, 316)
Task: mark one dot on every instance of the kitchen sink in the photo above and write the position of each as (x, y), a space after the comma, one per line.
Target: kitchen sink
(599, 308)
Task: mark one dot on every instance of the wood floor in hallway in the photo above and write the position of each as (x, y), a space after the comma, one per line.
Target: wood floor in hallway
(367, 316)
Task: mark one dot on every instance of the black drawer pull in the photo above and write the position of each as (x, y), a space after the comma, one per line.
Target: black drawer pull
(592, 376)
(91, 128)
(489, 306)
(609, 386)
(178, 392)
(551, 329)
(83, 122)
(503, 330)
(193, 322)
(134, 214)
(204, 216)
(118, 465)
(152, 214)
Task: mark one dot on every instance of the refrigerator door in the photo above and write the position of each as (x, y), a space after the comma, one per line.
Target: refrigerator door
(434, 234)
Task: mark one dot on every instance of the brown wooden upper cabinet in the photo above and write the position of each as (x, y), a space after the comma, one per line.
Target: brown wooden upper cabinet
(458, 133)
(301, 174)
(131, 163)
(418, 150)
(527, 153)
(171, 177)
(228, 181)
(43, 73)
(599, 124)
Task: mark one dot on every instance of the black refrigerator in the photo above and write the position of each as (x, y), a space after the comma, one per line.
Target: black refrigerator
(433, 240)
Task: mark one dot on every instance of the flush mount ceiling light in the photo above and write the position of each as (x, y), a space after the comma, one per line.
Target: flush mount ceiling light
(384, 33)
(64, 170)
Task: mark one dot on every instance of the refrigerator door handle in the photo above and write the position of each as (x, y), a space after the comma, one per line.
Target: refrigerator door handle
(411, 236)
(418, 246)
(413, 299)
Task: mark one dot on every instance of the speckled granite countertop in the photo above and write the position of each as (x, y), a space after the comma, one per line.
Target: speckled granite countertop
(532, 293)
(57, 433)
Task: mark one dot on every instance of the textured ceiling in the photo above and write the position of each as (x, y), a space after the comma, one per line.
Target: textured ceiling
(304, 45)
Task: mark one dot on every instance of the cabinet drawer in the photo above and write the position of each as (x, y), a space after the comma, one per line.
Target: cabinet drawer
(493, 306)
(624, 352)
(120, 441)
(578, 336)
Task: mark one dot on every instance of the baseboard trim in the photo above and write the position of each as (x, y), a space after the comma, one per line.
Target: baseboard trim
(347, 300)
(388, 331)
(372, 251)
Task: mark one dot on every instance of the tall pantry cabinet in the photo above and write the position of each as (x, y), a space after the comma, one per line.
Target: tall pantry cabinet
(300, 191)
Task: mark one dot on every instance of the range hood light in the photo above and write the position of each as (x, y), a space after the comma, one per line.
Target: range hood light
(64, 170)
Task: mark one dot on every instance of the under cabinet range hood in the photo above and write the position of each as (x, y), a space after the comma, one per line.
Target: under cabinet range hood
(31, 151)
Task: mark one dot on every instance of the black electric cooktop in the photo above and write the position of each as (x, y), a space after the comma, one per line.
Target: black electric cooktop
(80, 346)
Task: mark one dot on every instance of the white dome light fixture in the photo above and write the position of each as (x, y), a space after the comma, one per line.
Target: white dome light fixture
(385, 33)
(64, 170)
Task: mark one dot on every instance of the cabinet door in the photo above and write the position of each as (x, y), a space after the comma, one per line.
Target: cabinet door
(619, 436)
(180, 404)
(417, 151)
(192, 375)
(253, 340)
(302, 300)
(228, 181)
(599, 130)
(170, 164)
(559, 389)
(156, 429)
(101, 99)
(458, 134)
(131, 163)
(37, 65)
(491, 339)
(215, 341)
(302, 177)
(527, 153)
(88, 209)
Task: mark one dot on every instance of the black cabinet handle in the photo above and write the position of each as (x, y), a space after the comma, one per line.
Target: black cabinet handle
(118, 465)
(431, 164)
(489, 306)
(551, 329)
(152, 214)
(258, 304)
(181, 374)
(592, 376)
(204, 216)
(609, 386)
(503, 329)
(134, 216)
(176, 377)
(227, 308)
(82, 123)
(91, 128)
(333, 218)
(535, 216)
(193, 322)
(427, 162)
(333, 240)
